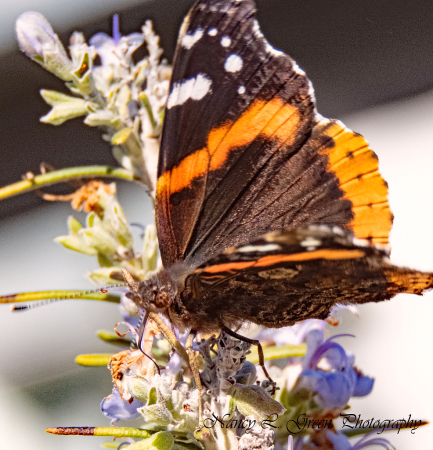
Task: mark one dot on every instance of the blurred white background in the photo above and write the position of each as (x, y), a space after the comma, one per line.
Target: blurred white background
(41, 386)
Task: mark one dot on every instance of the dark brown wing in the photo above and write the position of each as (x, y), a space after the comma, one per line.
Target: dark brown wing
(285, 277)
(243, 151)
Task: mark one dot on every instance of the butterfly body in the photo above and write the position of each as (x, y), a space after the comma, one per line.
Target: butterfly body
(266, 212)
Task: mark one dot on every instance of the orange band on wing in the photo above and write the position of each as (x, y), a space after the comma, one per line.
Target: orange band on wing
(271, 120)
(271, 260)
(356, 168)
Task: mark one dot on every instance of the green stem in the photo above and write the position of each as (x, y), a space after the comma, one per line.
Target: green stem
(63, 175)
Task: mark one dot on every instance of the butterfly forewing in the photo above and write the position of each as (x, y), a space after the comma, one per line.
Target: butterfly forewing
(233, 102)
(243, 151)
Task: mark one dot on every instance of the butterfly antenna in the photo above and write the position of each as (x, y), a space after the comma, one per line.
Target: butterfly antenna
(36, 299)
(33, 305)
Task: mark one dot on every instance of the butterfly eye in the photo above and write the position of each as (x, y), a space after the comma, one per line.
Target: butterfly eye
(162, 300)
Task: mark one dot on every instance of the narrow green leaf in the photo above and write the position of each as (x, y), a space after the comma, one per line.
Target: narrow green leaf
(64, 108)
(93, 360)
(76, 244)
(54, 98)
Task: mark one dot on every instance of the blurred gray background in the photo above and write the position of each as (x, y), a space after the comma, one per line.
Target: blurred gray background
(371, 63)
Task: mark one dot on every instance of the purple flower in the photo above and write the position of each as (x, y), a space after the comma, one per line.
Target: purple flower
(112, 50)
(330, 387)
(115, 408)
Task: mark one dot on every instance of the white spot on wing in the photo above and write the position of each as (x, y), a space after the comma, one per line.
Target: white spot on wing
(310, 243)
(226, 41)
(241, 90)
(259, 248)
(233, 63)
(193, 88)
(212, 32)
(338, 230)
(188, 40)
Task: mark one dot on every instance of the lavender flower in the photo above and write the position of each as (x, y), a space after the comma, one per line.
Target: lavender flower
(115, 408)
(328, 389)
(113, 50)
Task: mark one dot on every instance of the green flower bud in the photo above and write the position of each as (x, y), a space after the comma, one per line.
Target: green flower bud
(254, 401)
(139, 388)
(156, 410)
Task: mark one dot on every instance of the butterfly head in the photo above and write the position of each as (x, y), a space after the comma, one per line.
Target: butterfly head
(156, 294)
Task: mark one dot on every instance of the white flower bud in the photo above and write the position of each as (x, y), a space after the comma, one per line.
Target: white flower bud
(38, 41)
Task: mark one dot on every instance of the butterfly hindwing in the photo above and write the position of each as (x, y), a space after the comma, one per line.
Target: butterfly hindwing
(243, 151)
(284, 277)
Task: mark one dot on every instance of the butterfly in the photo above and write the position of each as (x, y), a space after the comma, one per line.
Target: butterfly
(266, 212)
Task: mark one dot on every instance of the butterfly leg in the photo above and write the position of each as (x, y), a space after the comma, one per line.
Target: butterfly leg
(146, 336)
(253, 342)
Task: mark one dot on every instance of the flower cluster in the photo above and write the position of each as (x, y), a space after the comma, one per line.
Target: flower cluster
(125, 98)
